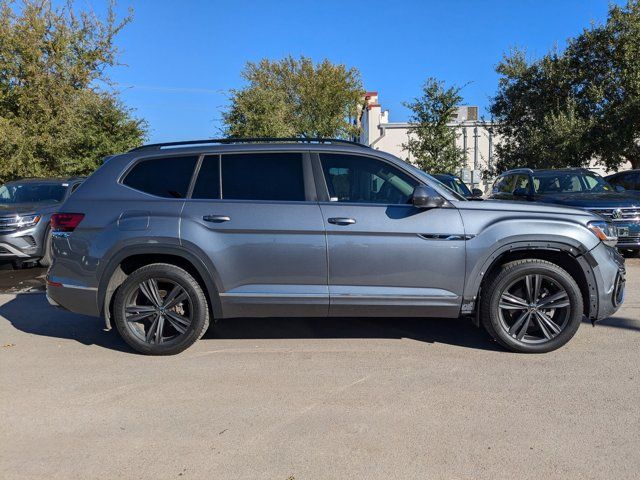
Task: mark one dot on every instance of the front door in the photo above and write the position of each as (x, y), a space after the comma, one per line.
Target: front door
(257, 220)
(387, 257)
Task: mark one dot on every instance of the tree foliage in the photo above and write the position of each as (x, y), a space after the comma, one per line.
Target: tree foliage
(570, 107)
(54, 118)
(295, 98)
(432, 141)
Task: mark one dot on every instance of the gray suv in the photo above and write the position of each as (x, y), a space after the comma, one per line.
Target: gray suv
(167, 238)
(25, 209)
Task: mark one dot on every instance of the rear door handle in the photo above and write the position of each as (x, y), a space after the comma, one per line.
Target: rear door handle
(342, 221)
(216, 218)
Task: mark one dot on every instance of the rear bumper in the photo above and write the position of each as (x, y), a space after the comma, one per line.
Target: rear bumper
(75, 298)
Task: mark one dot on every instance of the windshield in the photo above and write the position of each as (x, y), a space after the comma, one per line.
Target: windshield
(32, 193)
(455, 184)
(569, 182)
(434, 181)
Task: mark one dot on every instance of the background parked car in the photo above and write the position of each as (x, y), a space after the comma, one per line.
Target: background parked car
(25, 209)
(629, 180)
(457, 185)
(575, 187)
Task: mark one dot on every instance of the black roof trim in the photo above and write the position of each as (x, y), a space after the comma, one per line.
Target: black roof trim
(230, 141)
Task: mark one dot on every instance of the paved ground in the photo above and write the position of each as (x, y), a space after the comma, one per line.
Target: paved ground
(316, 399)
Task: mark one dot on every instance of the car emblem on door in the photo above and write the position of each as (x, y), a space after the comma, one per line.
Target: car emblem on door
(616, 214)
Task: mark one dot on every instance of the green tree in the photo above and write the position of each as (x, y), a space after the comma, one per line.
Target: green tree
(432, 141)
(570, 107)
(55, 118)
(295, 98)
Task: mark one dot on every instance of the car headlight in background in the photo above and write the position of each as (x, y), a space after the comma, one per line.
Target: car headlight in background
(605, 231)
(23, 221)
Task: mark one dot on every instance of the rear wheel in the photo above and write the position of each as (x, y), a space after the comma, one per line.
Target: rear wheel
(160, 309)
(532, 306)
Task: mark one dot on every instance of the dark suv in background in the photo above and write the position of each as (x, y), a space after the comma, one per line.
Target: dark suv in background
(166, 238)
(629, 180)
(25, 209)
(457, 185)
(575, 187)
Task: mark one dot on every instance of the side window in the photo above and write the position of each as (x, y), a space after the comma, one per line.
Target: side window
(629, 180)
(505, 184)
(353, 178)
(522, 183)
(208, 183)
(167, 177)
(263, 176)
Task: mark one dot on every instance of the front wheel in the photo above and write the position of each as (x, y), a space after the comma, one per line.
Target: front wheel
(531, 306)
(160, 309)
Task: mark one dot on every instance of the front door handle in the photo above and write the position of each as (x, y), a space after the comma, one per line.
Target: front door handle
(216, 218)
(342, 221)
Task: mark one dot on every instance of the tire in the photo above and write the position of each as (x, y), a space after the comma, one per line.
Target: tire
(143, 300)
(45, 261)
(513, 318)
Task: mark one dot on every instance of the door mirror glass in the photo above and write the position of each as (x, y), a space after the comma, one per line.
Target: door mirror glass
(424, 197)
(476, 192)
(620, 188)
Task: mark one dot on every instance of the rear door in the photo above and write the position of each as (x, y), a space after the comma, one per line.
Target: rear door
(386, 257)
(255, 216)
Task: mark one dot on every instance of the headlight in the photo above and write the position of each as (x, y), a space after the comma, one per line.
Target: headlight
(605, 231)
(24, 221)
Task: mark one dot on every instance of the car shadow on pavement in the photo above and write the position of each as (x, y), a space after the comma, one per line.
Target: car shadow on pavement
(30, 313)
(459, 332)
(617, 322)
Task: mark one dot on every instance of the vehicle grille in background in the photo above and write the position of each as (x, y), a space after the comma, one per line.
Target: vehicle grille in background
(5, 222)
(618, 214)
(629, 240)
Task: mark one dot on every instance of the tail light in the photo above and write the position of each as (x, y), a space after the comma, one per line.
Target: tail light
(65, 222)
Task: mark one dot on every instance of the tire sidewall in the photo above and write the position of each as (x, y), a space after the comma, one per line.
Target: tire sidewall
(198, 301)
(557, 274)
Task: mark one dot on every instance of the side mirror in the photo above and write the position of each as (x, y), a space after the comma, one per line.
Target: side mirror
(619, 188)
(476, 192)
(423, 198)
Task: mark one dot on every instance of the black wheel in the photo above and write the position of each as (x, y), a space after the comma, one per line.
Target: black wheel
(160, 309)
(531, 306)
(45, 261)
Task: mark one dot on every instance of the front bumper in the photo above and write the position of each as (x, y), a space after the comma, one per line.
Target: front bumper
(610, 276)
(21, 244)
(628, 234)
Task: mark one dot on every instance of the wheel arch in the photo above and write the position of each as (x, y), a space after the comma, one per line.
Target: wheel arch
(575, 259)
(129, 259)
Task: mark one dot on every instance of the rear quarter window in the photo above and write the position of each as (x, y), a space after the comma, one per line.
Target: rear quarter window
(166, 177)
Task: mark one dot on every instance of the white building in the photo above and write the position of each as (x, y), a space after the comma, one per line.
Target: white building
(475, 138)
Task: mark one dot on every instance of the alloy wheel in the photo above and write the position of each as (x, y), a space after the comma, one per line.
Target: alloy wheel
(158, 310)
(534, 309)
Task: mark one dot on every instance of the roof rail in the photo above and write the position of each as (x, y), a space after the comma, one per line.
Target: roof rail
(518, 170)
(227, 141)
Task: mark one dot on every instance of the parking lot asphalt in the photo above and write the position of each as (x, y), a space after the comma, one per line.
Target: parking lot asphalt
(315, 399)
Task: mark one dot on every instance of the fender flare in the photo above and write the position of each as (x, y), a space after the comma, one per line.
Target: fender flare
(582, 256)
(193, 255)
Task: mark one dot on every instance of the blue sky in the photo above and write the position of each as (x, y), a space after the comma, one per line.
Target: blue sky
(182, 56)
